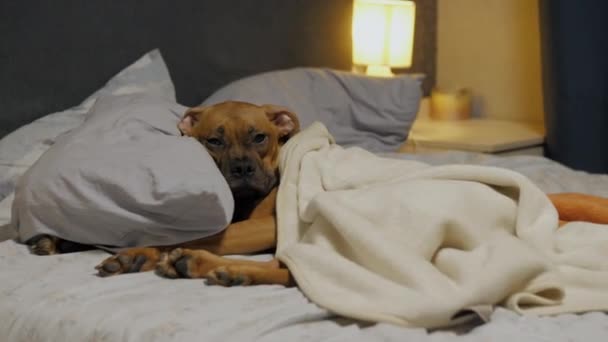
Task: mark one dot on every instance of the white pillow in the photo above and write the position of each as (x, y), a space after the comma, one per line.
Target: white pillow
(124, 178)
(21, 148)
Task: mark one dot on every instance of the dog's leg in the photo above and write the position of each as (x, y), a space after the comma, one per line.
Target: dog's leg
(190, 263)
(245, 237)
(232, 275)
(129, 261)
(187, 263)
(49, 245)
(43, 245)
(580, 207)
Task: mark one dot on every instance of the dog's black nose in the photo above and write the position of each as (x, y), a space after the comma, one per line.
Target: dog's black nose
(241, 168)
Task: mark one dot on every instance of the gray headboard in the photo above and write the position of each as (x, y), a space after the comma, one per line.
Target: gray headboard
(53, 54)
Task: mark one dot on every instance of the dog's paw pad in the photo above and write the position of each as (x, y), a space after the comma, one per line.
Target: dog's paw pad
(109, 267)
(227, 276)
(186, 263)
(173, 264)
(120, 263)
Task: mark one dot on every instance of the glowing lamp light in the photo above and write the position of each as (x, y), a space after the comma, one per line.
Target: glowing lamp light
(383, 35)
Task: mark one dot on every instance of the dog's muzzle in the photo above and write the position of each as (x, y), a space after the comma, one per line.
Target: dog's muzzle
(242, 168)
(247, 178)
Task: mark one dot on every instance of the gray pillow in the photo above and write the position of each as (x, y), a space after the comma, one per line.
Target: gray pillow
(124, 178)
(370, 112)
(20, 149)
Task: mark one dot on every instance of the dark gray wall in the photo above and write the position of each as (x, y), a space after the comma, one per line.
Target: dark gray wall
(53, 54)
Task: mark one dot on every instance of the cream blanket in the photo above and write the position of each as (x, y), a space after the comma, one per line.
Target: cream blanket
(403, 242)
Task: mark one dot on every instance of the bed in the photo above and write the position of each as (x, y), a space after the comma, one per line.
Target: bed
(59, 297)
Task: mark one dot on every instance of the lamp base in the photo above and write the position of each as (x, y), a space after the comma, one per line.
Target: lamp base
(379, 71)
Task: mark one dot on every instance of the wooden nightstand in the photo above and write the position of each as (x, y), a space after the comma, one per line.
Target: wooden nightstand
(476, 135)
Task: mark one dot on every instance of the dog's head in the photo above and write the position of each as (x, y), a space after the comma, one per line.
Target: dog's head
(244, 140)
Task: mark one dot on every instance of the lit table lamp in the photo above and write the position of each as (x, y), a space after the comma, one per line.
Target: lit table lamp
(383, 35)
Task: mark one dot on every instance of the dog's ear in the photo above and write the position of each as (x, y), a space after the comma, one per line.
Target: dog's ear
(284, 119)
(189, 120)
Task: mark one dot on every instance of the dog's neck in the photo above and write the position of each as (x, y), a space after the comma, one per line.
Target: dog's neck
(243, 207)
(246, 204)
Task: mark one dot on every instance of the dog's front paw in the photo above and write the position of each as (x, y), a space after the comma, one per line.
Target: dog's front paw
(43, 245)
(129, 261)
(186, 263)
(228, 276)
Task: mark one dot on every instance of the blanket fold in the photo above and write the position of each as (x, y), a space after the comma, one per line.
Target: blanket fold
(399, 241)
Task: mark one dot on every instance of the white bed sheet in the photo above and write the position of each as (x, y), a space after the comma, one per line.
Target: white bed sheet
(58, 298)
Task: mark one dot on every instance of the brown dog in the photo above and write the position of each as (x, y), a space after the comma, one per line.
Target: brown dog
(244, 140)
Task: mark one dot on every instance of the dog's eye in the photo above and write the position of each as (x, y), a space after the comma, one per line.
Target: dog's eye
(214, 142)
(259, 138)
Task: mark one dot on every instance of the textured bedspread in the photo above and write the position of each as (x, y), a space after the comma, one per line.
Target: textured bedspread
(58, 298)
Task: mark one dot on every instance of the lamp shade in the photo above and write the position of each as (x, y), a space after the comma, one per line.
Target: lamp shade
(383, 33)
